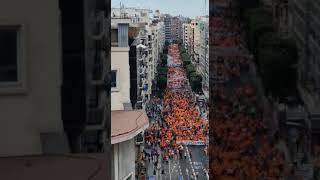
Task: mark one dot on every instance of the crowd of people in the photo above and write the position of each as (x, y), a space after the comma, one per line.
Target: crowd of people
(241, 147)
(153, 108)
(180, 120)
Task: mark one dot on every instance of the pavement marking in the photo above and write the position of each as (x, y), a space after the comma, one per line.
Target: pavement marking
(169, 171)
(207, 173)
(180, 172)
(187, 172)
(197, 165)
(190, 162)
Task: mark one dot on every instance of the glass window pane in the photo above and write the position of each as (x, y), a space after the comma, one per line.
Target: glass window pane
(8, 55)
(113, 78)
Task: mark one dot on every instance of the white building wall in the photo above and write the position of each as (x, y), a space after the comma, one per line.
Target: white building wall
(120, 62)
(35, 109)
(161, 36)
(124, 159)
(197, 45)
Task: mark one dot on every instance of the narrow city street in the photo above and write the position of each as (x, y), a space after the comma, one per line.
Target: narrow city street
(177, 137)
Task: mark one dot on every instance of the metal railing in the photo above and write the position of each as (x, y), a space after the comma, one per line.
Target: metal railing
(95, 116)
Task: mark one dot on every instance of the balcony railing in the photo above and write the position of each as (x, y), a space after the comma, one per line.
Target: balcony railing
(97, 72)
(95, 116)
(99, 69)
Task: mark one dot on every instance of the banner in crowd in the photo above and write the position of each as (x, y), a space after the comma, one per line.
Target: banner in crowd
(194, 143)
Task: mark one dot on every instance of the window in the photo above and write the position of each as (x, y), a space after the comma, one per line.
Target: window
(12, 59)
(113, 79)
(8, 54)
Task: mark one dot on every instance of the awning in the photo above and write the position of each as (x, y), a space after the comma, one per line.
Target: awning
(126, 125)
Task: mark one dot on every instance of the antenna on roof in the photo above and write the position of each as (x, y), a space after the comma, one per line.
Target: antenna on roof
(123, 13)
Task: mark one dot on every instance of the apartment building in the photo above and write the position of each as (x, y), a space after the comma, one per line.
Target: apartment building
(157, 15)
(176, 28)
(145, 47)
(161, 35)
(53, 93)
(194, 42)
(185, 36)
(155, 38)
(304, 23)
(197, 44)
(204, 55)
(167, 27)
(85, 88)
(126, 123)
(189, 38)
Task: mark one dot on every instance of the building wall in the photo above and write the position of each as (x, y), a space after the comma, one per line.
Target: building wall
(120, 62)
(124, 159)
(304, 24)
(204, 54)
(24, 116)
(185, 35)
(167, 28)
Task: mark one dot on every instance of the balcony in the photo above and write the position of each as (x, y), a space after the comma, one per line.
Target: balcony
(94, 98)
(140, 58)
(96, 118)
(140, 98)
(140, 85)
(141, 70)
(142, 76)
(97, 74)
(98, 70)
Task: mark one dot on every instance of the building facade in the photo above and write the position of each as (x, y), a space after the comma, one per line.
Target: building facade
(146, 42)
(176, 28)
(126, 121)
(185, 35)
(50, 75)
(204, 55)
(303, 17)
(167, 27)
(23, 91)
